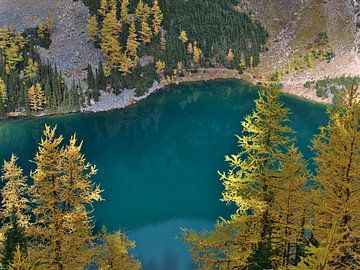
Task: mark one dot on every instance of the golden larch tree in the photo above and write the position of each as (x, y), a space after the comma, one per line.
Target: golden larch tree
(145, 29)
(36, 96)
(31, 69)
(113, 252)
(336, 199)
(125, 11)
(92, 28)
(157, 17)
(3, 92)
(183, 37)
(13, 56)
(230, 55)
(132, 43)
(196, 55)
(103, 8)
(160, 66)
(61, 192)
(14, 193)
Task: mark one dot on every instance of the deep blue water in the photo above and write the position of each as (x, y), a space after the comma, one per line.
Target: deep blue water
(158, 160)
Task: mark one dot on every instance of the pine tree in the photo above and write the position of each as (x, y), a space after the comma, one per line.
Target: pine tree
(3, 92)
(62, 190)
(183, 37)
(90, 77)
(14, 193)
(31, 70)
(13, 56)
(92, 28)
(132, 43)
(157, 17)
(337, 215)
(15, 242)
(113, 252)
(162, 43)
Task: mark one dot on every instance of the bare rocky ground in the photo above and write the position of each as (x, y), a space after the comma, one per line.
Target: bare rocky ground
(69, 49)
(293, 24)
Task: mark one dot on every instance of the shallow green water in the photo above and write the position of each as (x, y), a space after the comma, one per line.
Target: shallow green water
(158, 160)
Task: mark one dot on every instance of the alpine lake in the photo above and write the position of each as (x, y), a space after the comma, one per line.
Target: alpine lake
(158, 160)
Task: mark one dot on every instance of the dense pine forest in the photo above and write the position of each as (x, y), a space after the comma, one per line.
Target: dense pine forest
(143, 40)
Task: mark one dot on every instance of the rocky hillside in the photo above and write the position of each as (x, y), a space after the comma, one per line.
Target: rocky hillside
(294, 25)
(69, 50)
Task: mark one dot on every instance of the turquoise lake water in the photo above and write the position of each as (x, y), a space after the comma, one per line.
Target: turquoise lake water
(158, 160)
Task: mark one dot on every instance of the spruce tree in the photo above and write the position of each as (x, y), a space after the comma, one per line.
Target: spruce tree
(14, 239)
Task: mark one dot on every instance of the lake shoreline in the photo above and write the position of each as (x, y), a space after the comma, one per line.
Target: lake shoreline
(111, 102)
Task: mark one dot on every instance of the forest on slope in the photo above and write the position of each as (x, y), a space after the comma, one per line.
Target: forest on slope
(186, 35)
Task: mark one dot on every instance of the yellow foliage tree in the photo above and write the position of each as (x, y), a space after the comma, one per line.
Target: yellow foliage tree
(113, 252)
(92, 28)
(196, 55)
(31, 69)
(13, 56)
(157, 17)
(160, 66)
(183, 37)
(3, 92)
(124, 11)
(42, 29)
(14, 192)
(5, 37)
(190, 48)
(143, 13)
(36, 96)
(103, 7)
(230, 55)
(125, 64)
(336, 200)
(132, 43)
(50, 22)
(61, 192)
(21, 262)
